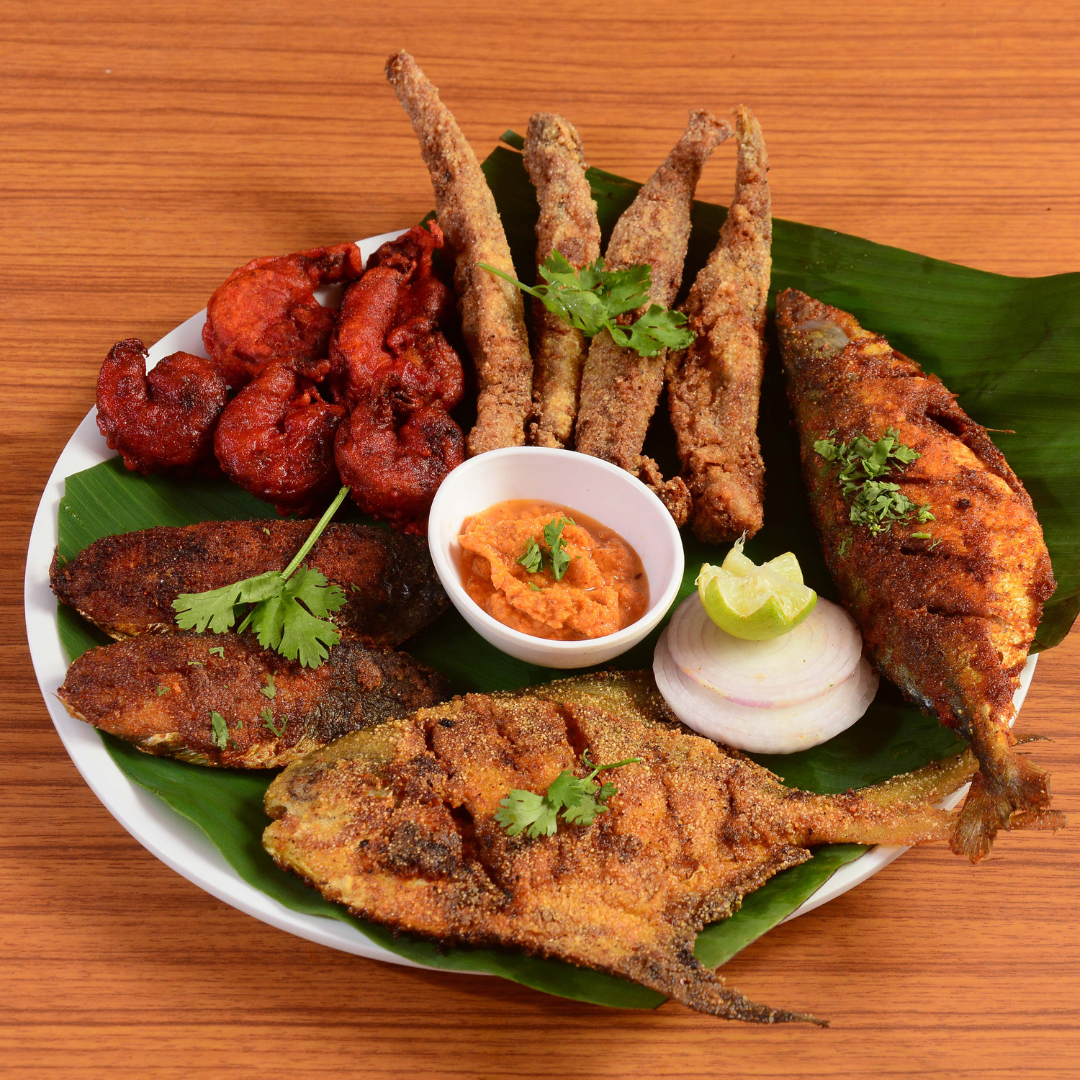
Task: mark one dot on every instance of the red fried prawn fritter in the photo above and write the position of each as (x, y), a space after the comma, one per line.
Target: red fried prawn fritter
(266, 311)
(161, 420)
(276, 438)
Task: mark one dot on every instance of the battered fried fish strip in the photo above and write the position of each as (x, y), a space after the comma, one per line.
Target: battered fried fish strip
(714, 385)
(619, 387)
(126, 584)
(398, 823)
(162, 694)
(555, 160)
(492, 313)
(949, 617)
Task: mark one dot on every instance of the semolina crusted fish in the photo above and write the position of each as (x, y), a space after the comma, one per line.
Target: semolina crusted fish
(620, 388)
(492, 312)
(947, 608)
(555, 160)
(714, 386)
(126, 584)
(398, 823)
(162, 693)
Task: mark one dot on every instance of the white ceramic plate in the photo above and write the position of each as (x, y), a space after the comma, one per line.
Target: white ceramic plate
(177, 842)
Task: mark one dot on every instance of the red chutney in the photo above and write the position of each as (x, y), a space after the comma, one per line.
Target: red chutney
(604, 588)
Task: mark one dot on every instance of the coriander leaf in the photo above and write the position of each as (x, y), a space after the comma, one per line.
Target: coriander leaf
(217, 650)
(289, 606)
(656, 330)
(219, 730)
(554, 539)
(532, 558)
(216, 608)
(269, 690)
(592, 298)
(290, 623)
(580, 800)
(920, 536)
(196, 663)
(535, 587)
(162, 691)
(525, 809)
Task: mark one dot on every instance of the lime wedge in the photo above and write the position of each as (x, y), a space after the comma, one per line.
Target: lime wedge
(755, 602)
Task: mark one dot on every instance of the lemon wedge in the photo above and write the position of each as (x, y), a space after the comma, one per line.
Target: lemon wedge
(754, 602)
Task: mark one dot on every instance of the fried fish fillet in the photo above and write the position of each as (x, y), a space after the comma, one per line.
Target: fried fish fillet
(161, 693)
(398, 823)
(492, 313)
(555, 160)
(126, 584)
(950, 618)
(714, 386)
(619, 387)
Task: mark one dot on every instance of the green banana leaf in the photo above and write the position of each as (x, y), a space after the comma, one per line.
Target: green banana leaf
(1009, 347)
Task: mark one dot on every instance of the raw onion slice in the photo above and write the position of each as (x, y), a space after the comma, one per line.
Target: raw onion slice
(780, 730)
(817, 655)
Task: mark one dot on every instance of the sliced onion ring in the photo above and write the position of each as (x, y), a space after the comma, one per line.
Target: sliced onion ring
(798, 666)
(781, 730)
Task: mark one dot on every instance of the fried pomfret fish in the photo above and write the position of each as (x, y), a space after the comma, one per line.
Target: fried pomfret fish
(220, 699)
(126, 584)
(948, 609)
(398, 823)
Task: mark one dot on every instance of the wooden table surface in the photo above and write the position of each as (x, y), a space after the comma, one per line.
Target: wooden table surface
(147, 149)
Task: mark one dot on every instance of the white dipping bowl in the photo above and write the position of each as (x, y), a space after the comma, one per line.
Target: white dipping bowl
(579, 482)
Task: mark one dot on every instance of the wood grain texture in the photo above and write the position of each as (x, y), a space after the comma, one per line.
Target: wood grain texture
(147, 149)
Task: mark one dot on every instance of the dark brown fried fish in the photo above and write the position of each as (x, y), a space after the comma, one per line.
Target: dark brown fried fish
(398, 823)
(126, 584)
(555, 160)
(162, 693)
(714, 386)
(949, 618)
(620, 388)
(492, 312)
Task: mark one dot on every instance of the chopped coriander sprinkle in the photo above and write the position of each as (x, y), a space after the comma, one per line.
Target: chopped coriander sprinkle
(269, 690)
(219, 730)
(875, 502)
(162, 691)
(217, 650)
(275, 729)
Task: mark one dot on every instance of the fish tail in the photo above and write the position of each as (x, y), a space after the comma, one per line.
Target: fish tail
(1009, 792)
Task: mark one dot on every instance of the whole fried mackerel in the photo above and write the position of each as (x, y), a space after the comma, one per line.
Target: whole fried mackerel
(220, 699)
(126, 584)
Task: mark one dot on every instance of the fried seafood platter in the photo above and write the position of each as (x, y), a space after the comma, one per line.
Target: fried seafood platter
(451, 805)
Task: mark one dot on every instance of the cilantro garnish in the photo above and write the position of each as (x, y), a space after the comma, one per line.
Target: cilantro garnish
(268, 723)
(875, 503)
(269, 690)
(592, 298)
(579, 799)
(289, 606)
(162, 691)
(219, 730)
(532, 558)
(217, 650)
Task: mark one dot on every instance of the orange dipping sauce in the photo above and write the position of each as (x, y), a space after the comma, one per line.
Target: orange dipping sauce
(603, 589)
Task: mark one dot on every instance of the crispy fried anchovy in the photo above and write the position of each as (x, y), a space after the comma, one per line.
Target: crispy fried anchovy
(555, 159)
(126, 584)
(714, 386)
(162, 693)
(398, 823)
(620, 388)
(949, 616)
(492, 313)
